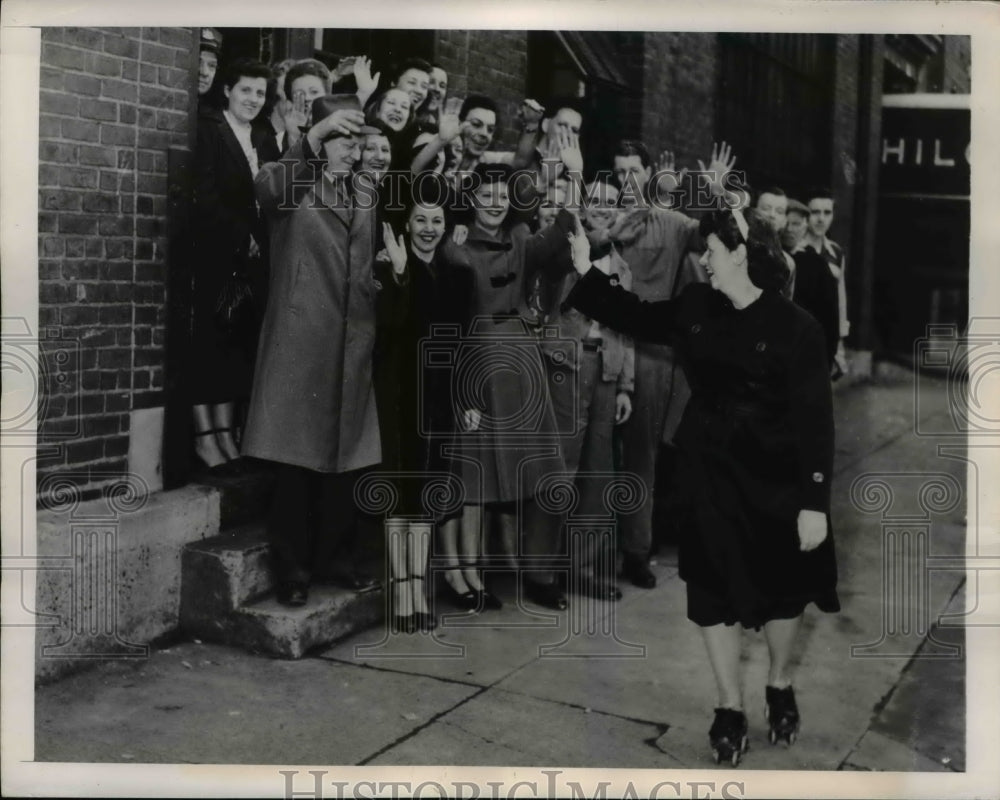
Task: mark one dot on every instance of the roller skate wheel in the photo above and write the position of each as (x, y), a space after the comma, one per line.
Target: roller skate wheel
(716, 755)
(791, 738)
(772, 736)
(745, 744)
(735, 760)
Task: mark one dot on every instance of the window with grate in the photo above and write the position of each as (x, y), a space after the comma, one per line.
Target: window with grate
(593, 68)
(385, 47)
(774, 106)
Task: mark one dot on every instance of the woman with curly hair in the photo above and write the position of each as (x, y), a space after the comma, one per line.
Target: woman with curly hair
(756, 451)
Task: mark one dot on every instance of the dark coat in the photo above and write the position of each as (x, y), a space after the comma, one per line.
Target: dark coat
(225, 217)
(417, 415)
(815, 289)
(313, 404)
(755, 443)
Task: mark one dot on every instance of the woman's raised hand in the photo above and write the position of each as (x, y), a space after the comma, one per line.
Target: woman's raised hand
(812, 529)
(579, 246)
(448, 124)
(344, 68)
(395, 248)
(721, 164)
(569, 151)
(627, 226)
(293, 115)
(367, 83)
(667, 177)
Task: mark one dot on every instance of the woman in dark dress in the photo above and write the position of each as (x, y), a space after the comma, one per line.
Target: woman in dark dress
(756, 450)
(418, 289)
(229, 235)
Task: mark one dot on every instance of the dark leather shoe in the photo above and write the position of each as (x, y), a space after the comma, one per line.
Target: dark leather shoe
(292, 593)
(638, 572)
(486, 599)
(467, 601)
(549, 595)
(425, 622)
(603, 591)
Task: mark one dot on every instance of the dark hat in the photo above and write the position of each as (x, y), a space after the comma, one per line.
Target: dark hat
(795, 205)
(322, 107)
(211, 40)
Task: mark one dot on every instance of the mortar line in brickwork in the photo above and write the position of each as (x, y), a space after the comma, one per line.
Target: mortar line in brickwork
(135, 228)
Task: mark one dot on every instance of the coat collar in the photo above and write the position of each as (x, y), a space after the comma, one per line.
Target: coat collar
(336, 196)
(233, 144)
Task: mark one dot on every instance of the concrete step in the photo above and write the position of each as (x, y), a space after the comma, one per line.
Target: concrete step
(221, 573)
(227, 596)
(244, 492)
(330, 615)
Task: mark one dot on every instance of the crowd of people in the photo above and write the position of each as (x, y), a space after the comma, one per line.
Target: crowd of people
(392, 298)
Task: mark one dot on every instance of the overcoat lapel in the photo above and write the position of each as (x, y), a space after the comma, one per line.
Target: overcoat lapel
(233, 145)
(333, 198)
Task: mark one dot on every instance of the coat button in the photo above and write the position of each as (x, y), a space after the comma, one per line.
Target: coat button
(817, 477)
(614, 280)
(761, 347)
(696, 328)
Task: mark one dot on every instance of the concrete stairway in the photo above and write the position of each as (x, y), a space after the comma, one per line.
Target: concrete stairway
(227, 595)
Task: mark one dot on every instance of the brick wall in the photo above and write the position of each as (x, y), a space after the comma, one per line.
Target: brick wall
(493, 63)
(679, 87)
(957, 65)
(844, 152)
(112, 101)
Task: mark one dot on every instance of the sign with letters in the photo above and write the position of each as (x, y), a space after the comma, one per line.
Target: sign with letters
(925, 146)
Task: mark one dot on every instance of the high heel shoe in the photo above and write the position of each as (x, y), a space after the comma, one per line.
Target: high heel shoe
(486, 599)
(467, 601)
(482, 599)
(425, 621)
(549, 595)
(237, 463)
(400, 623)
(210, 467)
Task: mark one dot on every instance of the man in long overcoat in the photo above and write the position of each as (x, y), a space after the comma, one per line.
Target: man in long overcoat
(312, 409)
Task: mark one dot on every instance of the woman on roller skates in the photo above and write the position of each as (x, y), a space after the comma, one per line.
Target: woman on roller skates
(756, 450)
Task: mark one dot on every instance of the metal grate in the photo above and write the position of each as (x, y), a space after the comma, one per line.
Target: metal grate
(774, 106)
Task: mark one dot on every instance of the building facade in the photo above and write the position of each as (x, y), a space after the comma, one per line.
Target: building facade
(118, 110)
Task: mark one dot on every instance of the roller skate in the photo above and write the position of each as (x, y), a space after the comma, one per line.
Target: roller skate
(782, 715)
(728, 736)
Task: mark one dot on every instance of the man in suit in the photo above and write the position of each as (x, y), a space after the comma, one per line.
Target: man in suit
(821, 211)
(814, 288)
(312, 410)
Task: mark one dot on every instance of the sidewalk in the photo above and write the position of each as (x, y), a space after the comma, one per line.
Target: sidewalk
(517, 687)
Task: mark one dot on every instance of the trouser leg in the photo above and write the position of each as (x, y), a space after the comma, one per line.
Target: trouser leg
(593, 475)
(291, 522)
(641, 438)
(336, 544)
